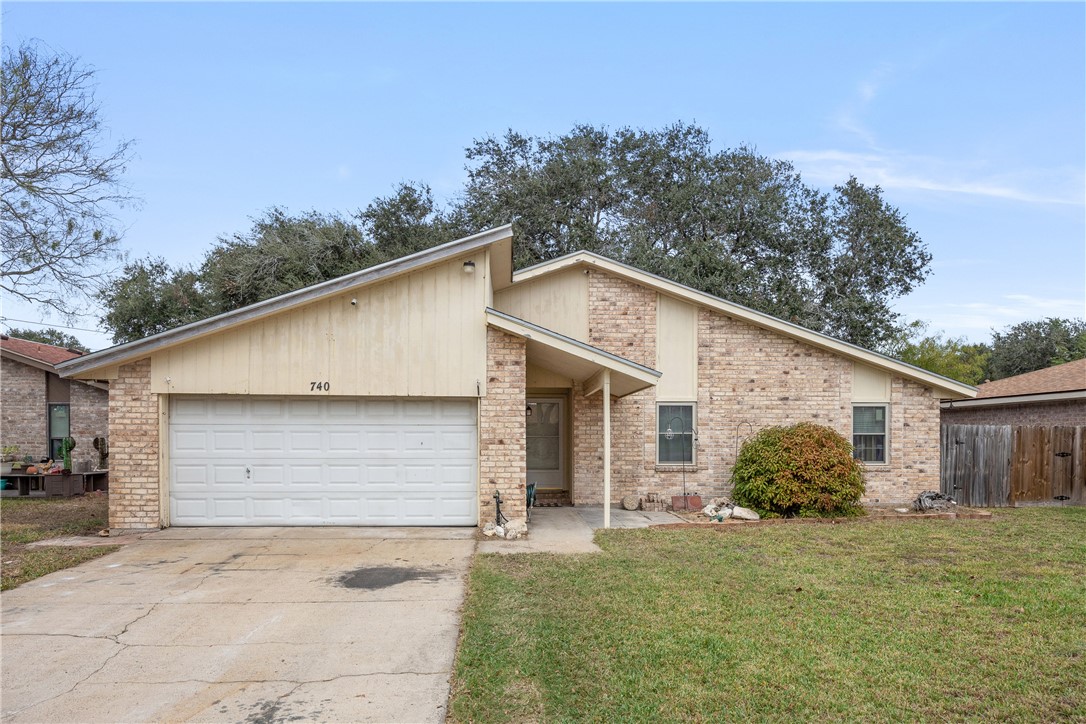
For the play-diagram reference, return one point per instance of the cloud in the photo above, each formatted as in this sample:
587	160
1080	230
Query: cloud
904	172
976	320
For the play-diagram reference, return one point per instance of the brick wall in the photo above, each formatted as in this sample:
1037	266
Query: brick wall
914	458
1059	412
134	449
622	321
90	419
502	427
748	378
23	409
25	413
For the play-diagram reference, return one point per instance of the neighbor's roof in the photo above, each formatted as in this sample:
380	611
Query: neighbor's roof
1061	378
947	387
45	353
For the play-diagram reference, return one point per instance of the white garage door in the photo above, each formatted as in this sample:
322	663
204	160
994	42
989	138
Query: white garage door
326	461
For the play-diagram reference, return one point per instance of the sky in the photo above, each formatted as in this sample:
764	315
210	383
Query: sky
970	116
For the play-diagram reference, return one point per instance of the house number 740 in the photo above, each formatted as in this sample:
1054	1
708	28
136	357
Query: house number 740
319	386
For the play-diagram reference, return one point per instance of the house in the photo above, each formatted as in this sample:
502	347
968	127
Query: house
413	392
40	408
1052	396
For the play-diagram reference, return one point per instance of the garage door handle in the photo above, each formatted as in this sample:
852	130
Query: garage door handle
247	472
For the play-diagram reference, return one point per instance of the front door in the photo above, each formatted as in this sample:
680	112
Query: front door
546	454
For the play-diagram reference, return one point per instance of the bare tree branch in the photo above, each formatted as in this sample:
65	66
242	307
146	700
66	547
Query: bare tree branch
59	189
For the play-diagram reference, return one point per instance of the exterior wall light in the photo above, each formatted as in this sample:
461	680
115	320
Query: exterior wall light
469	267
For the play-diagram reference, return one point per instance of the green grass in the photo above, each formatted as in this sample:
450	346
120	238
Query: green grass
882	621
25	520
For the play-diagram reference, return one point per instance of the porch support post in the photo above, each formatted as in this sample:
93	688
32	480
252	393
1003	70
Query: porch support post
606	448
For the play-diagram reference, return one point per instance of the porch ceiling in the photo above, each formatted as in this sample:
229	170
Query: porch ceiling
575	359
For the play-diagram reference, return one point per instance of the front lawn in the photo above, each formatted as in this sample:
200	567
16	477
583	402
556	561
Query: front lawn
925	619
25	520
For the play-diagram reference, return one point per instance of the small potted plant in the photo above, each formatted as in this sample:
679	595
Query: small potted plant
9	453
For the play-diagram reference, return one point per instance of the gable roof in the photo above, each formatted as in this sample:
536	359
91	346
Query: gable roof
27	352
579	360
1067	377
137	349
947	387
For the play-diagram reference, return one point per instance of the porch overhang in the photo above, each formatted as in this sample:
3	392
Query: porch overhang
575	359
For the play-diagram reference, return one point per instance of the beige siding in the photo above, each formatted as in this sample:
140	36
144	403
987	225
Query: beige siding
677	349
557	301
869	384
422	334
539	377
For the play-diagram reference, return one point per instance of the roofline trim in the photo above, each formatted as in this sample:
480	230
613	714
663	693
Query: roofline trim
1013	400
761	319
142	347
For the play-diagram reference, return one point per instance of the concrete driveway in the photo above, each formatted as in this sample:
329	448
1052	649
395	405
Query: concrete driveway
241	625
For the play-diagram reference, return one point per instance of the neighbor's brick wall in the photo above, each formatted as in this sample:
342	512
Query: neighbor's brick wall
748	379
90	419
23	409
502	427
133	451
1060	412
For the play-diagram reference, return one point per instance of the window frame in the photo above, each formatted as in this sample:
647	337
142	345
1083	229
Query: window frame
885	432
49	425
693	435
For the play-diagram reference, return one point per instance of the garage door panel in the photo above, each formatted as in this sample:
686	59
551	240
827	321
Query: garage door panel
230	442
349	442
304	442
271	461
268	440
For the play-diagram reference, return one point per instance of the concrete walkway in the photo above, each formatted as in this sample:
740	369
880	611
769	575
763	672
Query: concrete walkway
258	625
571	529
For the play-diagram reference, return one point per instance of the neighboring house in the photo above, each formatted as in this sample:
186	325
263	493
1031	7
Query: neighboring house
40	409
411	392
1052	396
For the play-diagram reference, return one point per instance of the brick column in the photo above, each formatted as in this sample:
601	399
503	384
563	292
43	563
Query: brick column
502	463
133	450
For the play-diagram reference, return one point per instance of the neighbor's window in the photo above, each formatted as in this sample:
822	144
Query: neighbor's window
675	433
59	428
869	433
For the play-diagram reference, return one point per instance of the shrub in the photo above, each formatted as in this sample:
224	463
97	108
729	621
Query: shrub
804	470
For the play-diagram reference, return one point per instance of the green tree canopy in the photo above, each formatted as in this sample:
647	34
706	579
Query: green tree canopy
953	357
1030	346
150	297
732	223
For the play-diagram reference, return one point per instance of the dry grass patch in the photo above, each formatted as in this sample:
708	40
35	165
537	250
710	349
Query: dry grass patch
26	520
927	619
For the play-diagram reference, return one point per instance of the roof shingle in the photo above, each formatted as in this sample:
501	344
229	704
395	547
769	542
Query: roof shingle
46	353
1061	378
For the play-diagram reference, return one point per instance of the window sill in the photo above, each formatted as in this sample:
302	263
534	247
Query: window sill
670	468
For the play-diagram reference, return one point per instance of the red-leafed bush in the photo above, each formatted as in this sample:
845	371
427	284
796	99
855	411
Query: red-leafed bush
804	470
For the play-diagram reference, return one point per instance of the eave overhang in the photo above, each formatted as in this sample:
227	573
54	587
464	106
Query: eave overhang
575	359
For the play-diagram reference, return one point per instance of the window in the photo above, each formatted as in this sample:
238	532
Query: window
59	428
869	433
675	434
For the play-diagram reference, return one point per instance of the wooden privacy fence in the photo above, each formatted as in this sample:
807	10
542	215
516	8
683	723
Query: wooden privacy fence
994	466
